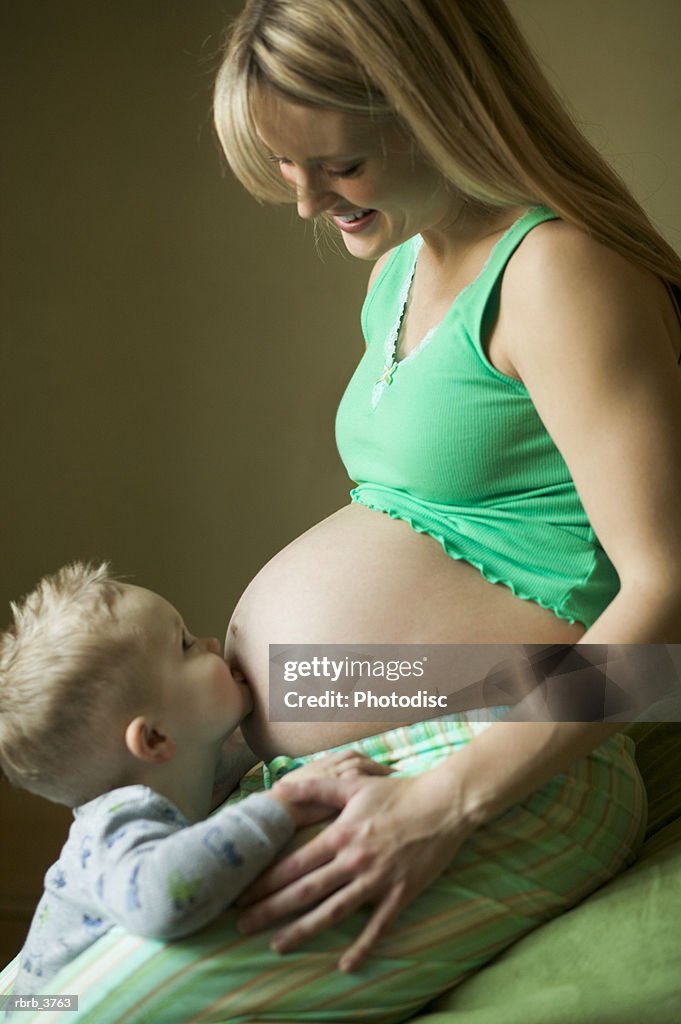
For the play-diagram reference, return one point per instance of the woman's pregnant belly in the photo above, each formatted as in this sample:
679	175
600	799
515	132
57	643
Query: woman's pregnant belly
360	577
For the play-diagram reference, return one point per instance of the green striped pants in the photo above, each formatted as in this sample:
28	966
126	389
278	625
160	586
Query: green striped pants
522	869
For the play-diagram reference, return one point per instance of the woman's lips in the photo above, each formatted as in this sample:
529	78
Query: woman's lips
357	223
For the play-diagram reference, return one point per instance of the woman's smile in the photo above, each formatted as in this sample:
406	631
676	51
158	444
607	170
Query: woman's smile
354	222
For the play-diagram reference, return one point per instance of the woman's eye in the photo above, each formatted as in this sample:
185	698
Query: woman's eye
347	172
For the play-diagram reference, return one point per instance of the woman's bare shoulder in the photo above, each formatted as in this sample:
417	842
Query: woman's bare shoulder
557	253
561	275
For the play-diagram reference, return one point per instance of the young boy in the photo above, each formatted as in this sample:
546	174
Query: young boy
110	706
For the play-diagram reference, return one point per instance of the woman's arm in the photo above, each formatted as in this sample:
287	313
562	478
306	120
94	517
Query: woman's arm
592	339
597	345
598	353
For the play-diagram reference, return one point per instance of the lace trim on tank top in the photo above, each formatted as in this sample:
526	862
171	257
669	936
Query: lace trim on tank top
390	346
392	341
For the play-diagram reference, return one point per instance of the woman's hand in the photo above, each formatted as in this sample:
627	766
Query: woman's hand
392	838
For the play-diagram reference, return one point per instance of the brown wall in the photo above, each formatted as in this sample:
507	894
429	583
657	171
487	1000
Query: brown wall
172	353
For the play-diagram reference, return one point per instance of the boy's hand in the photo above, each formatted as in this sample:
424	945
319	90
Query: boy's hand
340	764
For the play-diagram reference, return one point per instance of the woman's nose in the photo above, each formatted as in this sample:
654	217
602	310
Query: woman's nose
312	197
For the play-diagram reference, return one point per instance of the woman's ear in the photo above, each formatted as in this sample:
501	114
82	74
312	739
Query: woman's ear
147	743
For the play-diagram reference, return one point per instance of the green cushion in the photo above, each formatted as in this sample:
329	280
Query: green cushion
614	959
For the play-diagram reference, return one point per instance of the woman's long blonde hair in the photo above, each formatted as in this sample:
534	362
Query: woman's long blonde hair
461	80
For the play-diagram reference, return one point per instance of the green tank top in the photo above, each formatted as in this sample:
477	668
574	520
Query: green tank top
456	448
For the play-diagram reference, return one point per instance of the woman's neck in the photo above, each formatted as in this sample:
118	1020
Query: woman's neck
449	246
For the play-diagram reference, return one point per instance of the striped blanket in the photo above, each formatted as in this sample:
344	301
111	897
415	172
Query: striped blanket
525	867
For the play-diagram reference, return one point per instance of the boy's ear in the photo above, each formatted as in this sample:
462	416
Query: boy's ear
147	743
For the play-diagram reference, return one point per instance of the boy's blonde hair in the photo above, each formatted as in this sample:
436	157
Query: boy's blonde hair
459	78
66	675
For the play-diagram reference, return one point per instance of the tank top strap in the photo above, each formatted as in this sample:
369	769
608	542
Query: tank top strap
480	301
384	304
506	246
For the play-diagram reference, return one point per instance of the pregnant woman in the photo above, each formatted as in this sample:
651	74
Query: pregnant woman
514	432
519	389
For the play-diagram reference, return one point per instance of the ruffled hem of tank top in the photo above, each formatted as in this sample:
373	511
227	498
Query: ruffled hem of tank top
482	569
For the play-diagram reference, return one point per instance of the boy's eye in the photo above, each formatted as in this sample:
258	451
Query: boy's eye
187	641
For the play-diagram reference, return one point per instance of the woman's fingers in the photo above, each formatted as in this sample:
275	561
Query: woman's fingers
380	851
389	842
335	908
298	864
330	792
383	916
296	896
350	894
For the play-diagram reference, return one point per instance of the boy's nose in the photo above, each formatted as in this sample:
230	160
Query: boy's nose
212	644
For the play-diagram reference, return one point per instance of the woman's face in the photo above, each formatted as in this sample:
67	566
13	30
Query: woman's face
366	176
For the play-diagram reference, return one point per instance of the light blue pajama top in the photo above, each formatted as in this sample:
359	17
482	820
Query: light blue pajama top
131	858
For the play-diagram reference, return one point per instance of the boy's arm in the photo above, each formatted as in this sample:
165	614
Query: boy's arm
159	877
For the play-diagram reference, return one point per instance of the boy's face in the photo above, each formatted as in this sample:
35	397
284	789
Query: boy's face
188	685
